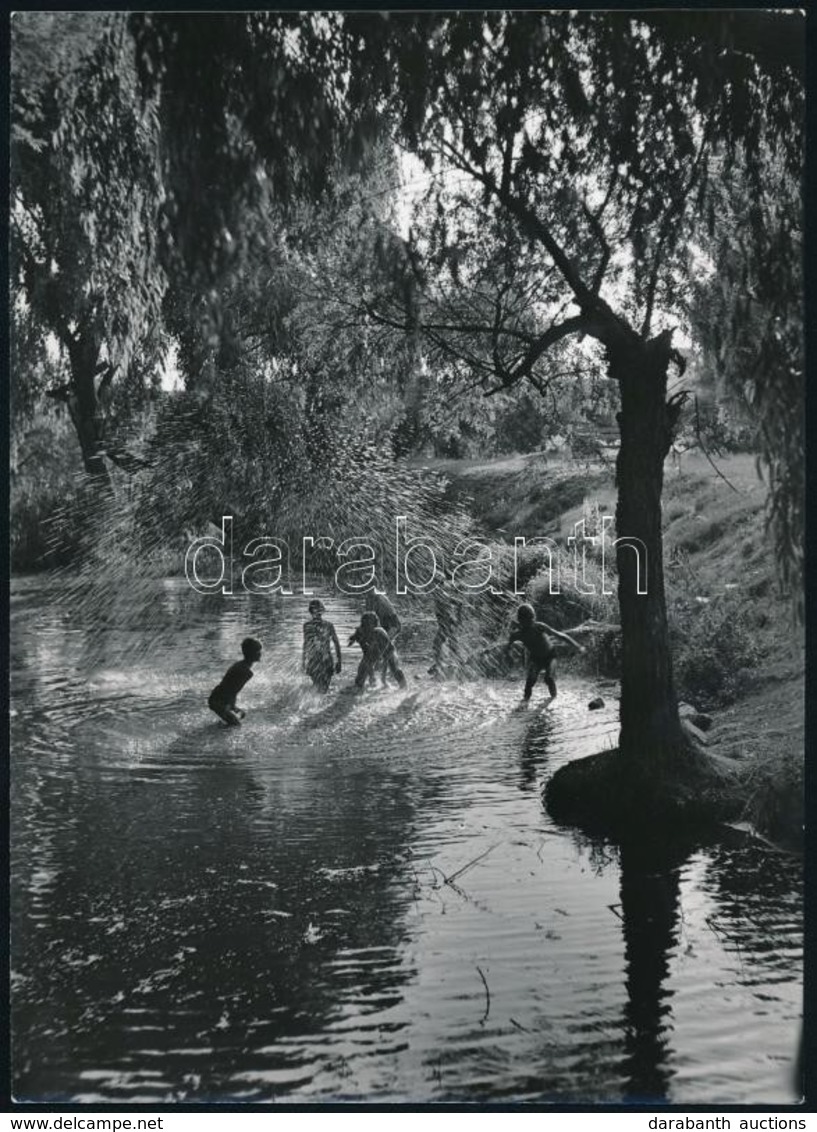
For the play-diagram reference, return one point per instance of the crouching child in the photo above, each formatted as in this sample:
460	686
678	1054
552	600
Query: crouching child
223	697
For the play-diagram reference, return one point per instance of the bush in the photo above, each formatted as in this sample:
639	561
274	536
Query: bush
712	645
776	796
603	655
46	492
40	537
571	606
521	426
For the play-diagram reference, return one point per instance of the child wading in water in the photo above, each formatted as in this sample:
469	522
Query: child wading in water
223	696
319	638
541	650
379	654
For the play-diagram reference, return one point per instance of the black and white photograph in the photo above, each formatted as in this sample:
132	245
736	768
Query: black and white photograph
406	518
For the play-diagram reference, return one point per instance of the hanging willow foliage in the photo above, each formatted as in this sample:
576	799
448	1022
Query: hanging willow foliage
748	315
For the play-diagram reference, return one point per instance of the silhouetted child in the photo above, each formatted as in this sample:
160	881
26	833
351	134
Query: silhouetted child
379	654
540	648
319	638
223	697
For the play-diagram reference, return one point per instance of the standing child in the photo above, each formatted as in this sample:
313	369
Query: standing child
319	638
378	652
223	697
541	650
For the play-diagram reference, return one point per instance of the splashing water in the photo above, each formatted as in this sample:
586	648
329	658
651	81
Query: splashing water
353	897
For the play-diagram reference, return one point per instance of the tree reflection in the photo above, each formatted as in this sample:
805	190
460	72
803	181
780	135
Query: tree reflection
650	885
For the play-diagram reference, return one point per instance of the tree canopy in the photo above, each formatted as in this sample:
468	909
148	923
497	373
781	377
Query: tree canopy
566	170
591	136
580	169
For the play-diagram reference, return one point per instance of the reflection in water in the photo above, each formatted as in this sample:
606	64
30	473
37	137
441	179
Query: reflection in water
534	749
650	891
354	897
182	905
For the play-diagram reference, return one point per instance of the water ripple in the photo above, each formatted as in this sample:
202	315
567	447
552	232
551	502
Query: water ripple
356	897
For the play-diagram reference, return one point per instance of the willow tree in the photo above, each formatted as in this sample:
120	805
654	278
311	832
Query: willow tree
595	136
85	198
144	147
748	317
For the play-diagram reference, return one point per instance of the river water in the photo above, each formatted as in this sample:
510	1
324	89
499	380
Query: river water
354	898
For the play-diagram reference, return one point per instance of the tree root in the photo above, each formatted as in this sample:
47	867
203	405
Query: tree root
612	795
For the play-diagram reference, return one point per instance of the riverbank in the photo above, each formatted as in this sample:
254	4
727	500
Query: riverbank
737	651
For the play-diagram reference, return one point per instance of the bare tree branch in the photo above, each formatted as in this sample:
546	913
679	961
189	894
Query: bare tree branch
595	224
672	217
706	451
551	336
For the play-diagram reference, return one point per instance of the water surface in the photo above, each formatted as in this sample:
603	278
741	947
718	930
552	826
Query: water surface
354	898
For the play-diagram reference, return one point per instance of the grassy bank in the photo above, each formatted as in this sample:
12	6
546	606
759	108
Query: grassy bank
737	652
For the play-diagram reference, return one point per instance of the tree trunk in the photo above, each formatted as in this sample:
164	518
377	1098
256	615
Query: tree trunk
650	728
84	408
